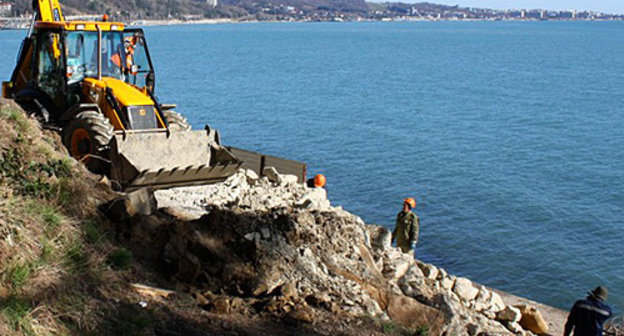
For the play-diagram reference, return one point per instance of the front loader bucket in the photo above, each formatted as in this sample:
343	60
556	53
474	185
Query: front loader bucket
160	160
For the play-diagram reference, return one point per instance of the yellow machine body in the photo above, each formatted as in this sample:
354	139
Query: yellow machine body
83	79
126	95
49	10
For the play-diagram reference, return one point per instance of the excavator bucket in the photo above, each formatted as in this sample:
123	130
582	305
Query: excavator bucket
162	160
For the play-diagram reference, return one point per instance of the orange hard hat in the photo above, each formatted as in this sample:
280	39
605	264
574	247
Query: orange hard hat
105	17
410	201
319	180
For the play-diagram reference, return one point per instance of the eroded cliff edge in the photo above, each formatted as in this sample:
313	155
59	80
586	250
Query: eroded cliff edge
250	256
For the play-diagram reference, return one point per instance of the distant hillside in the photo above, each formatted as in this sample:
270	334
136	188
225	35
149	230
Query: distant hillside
137	9
346	6
301	10
159	9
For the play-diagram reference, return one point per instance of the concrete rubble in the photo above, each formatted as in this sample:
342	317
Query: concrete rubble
284	244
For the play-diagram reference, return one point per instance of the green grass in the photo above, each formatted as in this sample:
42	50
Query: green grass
47	250
17	116
10	163
17	273
47	180
47	213
388	327
391	328
76	258
63	193
46	246
120	259
16	312
422	331
93	232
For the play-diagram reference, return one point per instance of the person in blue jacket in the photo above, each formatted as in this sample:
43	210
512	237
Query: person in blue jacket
588	316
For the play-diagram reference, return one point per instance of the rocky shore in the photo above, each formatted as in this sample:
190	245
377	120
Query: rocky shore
284	246
250	256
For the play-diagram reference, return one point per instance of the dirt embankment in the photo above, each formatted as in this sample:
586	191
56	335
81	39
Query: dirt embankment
250	256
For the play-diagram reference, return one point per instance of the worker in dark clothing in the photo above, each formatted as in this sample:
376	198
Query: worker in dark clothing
406	229
588	316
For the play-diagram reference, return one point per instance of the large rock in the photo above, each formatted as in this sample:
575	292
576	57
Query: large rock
481	302
496	302
138	202
430	271
371	307
461	320
413	284
447	283
532	319
379	237
272	174
442	273
396	264
509	314
314	199
514	327
412	314
289	179
454	313
464	289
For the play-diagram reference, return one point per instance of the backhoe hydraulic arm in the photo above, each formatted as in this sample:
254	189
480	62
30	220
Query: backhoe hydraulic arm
48	10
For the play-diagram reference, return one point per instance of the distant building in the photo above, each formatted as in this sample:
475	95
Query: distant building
5	8
213	3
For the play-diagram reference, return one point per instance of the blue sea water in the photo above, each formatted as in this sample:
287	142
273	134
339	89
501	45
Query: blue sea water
509	134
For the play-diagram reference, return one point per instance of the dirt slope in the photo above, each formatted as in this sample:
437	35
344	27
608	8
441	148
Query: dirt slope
66	269
250	256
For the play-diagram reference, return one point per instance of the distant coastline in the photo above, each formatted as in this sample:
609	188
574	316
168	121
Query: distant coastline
175	22
314	11
22	23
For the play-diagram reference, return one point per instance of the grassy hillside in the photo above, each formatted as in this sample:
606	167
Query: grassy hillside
51	246
63	271
66	269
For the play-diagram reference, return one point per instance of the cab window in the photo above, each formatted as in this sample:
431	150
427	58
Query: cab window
82	55
49	64
138	62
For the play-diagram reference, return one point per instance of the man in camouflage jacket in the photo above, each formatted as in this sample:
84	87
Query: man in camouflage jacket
407	226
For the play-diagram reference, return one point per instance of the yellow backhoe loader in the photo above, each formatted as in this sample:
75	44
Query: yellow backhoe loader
94	82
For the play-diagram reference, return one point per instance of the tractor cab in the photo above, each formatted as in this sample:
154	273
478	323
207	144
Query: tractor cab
123	55
78	62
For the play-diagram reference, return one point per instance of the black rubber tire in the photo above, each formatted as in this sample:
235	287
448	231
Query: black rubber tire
87	138
176	121
32	102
